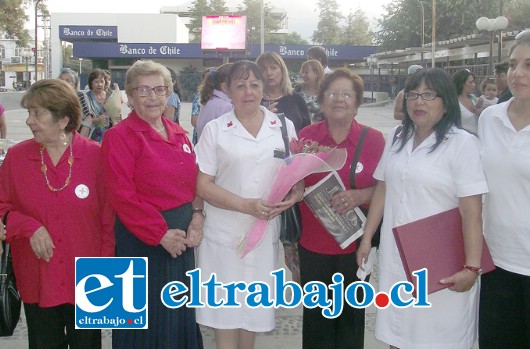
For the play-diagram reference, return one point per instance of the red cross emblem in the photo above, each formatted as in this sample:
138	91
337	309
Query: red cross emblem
273	122
229	124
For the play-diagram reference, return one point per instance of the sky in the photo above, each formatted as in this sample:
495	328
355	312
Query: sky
303	15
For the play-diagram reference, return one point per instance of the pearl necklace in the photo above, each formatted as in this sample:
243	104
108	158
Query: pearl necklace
44	169
161	130
272	99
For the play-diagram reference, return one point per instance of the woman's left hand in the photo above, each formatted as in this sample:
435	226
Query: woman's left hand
461	281
347	200
195	231
296	194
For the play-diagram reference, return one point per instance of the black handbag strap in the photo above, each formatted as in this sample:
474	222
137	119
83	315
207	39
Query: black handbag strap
281	116
357	155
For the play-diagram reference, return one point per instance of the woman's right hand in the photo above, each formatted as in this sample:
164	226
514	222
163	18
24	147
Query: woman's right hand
258	208
174	242
42	244
273	107
362	252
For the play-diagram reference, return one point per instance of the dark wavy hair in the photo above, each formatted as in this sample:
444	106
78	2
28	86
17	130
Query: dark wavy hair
460	78
440	82
242	70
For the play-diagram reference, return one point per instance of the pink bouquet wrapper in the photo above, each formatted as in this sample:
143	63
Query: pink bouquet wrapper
296	168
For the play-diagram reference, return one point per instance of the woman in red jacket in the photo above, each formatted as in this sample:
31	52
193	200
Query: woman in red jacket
55	208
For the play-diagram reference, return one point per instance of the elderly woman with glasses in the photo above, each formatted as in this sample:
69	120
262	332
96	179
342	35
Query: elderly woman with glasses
150	173
340	96
430	165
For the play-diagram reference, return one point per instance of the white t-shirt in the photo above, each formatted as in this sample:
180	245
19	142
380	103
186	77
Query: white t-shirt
469	120
506	160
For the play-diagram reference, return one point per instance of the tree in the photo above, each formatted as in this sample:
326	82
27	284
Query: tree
218	7
328	29
199	8
294	39
252	9
356	31
401	24
12	21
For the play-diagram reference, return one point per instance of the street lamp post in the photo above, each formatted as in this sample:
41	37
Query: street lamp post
372	61
36	41
422	29
80	62
491	26
26	54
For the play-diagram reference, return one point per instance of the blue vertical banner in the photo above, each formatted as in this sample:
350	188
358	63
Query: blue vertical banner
111	293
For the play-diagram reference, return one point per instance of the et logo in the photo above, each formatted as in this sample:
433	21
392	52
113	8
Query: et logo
111	293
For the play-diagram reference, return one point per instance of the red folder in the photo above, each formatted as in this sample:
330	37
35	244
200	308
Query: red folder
436	243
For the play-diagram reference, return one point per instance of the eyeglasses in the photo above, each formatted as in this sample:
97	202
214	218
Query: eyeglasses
426	96
145	91
336	94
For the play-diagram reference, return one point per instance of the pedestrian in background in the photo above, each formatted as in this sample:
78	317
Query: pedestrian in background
70	77
470	105
174	104
400	98
312	75
500	71
215	100
319	53
278	93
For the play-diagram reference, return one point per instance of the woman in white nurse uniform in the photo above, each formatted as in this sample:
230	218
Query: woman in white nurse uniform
238	157
431	167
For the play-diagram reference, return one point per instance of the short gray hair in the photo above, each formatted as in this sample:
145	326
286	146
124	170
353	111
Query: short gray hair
142	68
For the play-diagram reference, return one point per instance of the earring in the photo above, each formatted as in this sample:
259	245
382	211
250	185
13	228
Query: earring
63	138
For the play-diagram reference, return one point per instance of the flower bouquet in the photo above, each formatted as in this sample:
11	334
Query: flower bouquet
308	157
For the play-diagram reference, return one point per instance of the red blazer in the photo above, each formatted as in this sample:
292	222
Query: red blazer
79	218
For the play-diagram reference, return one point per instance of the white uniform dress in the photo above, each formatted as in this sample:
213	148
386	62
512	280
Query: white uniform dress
245	166
420	184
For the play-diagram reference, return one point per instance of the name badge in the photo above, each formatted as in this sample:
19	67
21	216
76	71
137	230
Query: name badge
278	154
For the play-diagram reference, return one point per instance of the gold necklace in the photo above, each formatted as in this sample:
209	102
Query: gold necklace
44	169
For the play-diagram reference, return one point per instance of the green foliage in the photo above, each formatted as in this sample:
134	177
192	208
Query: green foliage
218	7
199	8
12	21
294	39
400	26
189	80
328	29
252	9
356	31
